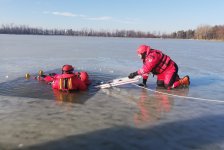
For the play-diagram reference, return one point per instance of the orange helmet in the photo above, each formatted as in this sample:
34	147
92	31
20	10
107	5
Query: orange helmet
67	68
142	49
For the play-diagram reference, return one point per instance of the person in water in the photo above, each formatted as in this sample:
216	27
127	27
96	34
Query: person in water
68	80
158	63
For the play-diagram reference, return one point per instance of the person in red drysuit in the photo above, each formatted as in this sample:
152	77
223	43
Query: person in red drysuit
67	81
159	64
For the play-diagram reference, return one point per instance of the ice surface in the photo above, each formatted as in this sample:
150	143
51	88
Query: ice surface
33	116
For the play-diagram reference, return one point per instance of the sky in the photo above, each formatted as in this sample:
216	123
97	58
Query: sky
163	16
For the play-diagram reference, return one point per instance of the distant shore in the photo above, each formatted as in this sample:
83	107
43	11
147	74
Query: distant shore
115	37
215	33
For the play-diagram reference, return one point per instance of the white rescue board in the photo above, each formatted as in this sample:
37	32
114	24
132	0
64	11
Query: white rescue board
119	81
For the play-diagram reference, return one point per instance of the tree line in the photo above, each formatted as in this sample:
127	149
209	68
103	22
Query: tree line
201	32
22	29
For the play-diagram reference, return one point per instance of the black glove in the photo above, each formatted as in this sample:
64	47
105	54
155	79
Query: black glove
143	84
43	76
132	75
52	74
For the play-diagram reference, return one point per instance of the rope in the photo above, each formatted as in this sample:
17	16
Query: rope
187	97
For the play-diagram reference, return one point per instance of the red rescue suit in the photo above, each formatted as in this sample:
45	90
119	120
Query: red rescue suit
162	66
68	82
49	78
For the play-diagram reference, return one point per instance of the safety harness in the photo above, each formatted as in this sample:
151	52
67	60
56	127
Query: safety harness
162	64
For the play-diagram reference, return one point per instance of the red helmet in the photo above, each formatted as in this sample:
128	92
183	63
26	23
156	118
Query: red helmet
67	68
142	49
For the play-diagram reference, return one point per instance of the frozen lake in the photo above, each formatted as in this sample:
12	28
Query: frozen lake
33	116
